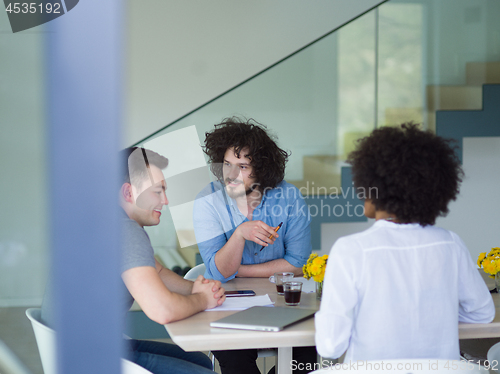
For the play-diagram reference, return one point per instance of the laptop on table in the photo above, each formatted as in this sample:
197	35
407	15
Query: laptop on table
263	318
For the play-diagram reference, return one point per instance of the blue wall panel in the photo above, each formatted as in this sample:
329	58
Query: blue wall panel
457	124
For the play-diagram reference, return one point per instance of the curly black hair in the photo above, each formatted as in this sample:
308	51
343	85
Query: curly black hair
415	173
267	159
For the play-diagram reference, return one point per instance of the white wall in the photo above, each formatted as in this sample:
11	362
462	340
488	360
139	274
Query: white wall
474	216
295	99
181	54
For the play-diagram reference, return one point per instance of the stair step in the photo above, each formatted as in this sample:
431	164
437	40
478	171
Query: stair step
478	73
454	98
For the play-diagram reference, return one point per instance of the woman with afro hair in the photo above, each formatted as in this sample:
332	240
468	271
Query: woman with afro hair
399	289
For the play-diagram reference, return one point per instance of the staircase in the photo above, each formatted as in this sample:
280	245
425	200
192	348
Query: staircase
322	172
464	97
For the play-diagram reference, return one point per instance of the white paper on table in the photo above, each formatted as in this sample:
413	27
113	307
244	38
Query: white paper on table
242	303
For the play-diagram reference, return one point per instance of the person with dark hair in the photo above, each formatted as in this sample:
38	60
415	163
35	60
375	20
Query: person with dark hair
238	214
163	295
236	218
399	289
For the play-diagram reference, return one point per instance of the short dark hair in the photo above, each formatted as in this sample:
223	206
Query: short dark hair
267	159
135	164
415	173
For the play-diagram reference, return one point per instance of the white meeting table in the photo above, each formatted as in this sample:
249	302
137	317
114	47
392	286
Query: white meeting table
195	334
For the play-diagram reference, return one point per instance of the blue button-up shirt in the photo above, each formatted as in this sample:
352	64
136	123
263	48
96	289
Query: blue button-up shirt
216	217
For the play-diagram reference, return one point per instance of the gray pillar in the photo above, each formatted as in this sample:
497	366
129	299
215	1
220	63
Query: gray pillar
84	58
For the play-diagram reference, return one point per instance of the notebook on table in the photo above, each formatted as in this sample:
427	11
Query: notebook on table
263	318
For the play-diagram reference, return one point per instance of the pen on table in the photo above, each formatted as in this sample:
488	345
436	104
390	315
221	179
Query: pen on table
270	236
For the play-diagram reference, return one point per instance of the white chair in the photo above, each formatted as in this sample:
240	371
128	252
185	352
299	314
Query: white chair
46	342
193	273
9	362
493	357
420	366
261	353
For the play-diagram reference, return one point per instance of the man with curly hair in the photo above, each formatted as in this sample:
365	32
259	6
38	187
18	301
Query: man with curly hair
237	215
399	289
235	218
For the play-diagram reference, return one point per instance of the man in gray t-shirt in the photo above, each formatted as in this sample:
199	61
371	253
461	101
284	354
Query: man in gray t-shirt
163	295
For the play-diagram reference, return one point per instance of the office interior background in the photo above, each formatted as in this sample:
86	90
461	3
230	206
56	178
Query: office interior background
319	74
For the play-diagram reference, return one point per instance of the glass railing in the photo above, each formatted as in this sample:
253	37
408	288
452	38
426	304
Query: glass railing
399	62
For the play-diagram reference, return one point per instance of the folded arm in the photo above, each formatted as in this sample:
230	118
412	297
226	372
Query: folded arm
174	281
267	269
161	304
228	258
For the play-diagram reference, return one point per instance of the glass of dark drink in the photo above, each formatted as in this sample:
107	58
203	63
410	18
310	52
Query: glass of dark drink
293	290
279	279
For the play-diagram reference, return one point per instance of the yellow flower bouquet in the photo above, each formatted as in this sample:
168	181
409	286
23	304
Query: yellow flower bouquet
315	269
490	262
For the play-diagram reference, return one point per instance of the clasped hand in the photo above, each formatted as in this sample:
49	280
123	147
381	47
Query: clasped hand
212	289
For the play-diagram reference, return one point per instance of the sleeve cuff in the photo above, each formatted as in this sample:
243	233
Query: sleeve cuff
294	261
215	274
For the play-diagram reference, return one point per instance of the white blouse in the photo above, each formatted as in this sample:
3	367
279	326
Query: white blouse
398	291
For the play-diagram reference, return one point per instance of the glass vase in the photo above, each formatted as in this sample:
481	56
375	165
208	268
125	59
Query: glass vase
319	290
497	282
